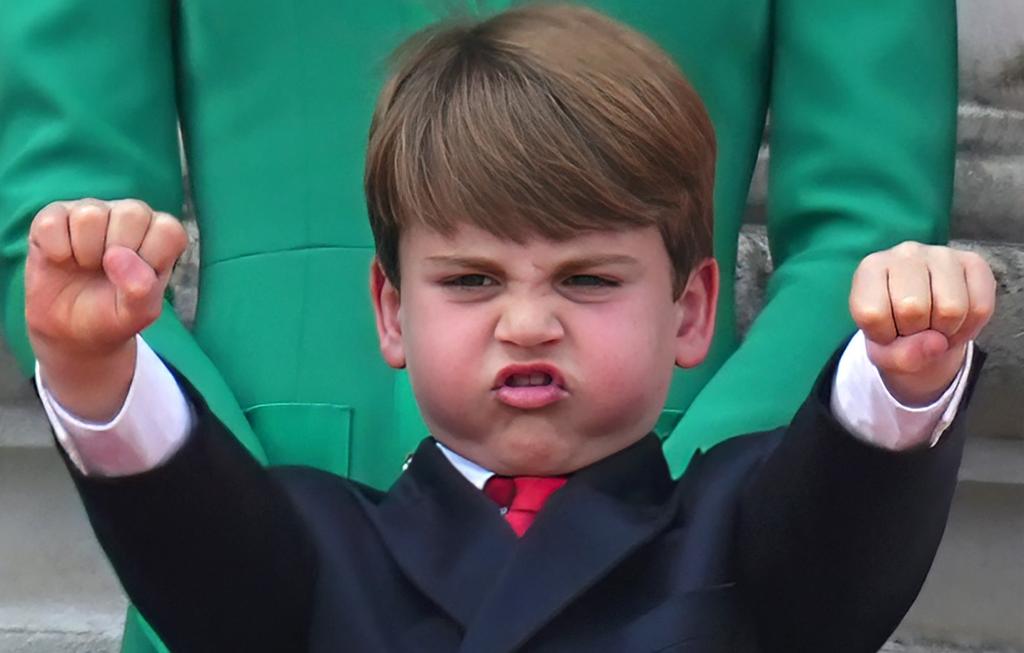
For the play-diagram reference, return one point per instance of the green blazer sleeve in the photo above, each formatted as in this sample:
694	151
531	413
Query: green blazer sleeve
863	135
87	100
87	104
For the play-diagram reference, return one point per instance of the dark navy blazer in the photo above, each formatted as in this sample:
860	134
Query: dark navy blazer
800	539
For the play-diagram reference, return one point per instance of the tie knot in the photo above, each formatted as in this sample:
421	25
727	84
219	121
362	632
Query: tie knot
522	496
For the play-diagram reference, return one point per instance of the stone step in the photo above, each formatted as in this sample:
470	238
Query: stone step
57	592
23	425
925	647
985	129
991	53
988	197
988	202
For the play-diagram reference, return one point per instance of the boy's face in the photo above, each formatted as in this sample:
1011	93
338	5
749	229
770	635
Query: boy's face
543	357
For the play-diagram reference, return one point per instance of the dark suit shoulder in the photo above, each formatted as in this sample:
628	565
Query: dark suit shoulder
731	461
303	479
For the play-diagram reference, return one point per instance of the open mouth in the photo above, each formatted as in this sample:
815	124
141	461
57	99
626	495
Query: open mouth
527	380
529	386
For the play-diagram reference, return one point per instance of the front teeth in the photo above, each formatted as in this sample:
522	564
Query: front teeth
536	378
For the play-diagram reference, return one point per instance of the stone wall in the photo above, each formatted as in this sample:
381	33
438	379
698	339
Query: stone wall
57	593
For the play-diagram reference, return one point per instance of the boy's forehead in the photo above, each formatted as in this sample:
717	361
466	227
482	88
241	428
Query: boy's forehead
468	240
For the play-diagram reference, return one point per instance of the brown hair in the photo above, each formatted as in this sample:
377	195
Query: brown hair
542	120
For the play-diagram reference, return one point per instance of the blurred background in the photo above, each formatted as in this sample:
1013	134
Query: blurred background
58	594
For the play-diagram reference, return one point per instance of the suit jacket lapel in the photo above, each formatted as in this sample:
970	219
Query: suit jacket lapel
604	513
447	537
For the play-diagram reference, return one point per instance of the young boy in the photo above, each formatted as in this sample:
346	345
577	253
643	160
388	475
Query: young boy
539	189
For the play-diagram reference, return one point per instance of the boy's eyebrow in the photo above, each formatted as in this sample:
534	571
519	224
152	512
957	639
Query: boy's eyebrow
571	264
465	262
598	260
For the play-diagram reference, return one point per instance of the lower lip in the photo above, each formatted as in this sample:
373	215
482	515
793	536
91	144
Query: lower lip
530	396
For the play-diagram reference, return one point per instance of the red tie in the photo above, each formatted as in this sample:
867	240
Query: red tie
522	496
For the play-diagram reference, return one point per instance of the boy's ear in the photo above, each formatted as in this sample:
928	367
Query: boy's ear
697	304
386	306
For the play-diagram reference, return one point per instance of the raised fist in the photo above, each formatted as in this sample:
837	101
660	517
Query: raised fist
919	305
96	274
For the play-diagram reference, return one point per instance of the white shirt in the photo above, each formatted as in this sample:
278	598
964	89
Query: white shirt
156	417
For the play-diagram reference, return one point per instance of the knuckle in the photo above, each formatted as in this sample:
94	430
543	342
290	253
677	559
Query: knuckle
87	215
974	262
874	261
981	311
870	260
134	210
942	256
949	310
907	249
138	205
171	230
45	223
869	315
912	308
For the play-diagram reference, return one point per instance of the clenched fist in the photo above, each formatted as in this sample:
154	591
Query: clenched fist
919	306
95	276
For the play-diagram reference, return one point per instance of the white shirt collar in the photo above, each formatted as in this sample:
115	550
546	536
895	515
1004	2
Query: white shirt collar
474	473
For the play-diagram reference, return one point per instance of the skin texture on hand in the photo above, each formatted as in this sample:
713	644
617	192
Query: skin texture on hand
919	306
95	277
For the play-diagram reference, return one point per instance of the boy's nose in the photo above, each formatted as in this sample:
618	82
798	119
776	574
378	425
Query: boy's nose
528	324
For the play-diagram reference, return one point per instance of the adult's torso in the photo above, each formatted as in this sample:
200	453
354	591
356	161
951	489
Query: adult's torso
275	102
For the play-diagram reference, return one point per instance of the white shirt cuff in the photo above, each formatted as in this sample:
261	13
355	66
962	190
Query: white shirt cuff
151	426
866	408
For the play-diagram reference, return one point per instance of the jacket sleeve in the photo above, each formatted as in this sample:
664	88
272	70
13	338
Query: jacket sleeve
863	134
209	546
836	536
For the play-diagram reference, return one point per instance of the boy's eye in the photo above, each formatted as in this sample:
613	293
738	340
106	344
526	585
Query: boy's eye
470	281
589	281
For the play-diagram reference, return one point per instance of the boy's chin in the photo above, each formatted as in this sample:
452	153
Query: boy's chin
536	454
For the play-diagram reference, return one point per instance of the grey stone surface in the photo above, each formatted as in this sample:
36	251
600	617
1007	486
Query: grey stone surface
992	460
23	425
58	641
992	52
974	595
984	129
185	280
13	386
999	411
988	197
925	647
56	588
988	202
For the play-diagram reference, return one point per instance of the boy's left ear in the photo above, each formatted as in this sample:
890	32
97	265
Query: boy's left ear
386	305
697	304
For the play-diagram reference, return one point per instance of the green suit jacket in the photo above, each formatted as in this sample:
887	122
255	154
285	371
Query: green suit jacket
274	101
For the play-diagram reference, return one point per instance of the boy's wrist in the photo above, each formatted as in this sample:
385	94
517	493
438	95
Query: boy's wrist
92	386
925	386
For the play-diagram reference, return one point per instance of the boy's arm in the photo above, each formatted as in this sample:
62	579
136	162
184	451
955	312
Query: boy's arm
149	428
864	406
836	535
206	544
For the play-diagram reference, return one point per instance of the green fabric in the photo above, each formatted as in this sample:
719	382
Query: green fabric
274	101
